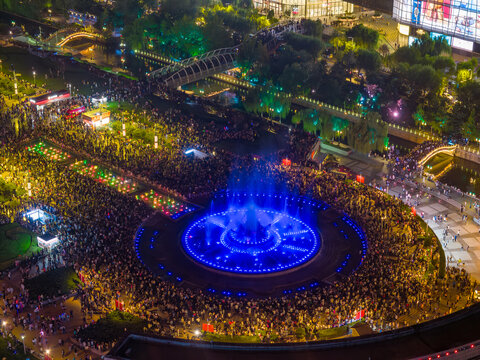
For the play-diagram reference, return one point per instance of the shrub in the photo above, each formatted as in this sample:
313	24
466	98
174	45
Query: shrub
53	283
114	326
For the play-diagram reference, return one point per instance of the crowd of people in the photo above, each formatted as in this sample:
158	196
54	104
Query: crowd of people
97	224
406	166
398	283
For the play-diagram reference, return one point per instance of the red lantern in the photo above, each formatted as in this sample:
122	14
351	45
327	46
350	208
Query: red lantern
360	179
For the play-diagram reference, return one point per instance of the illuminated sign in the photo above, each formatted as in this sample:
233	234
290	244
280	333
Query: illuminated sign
459	18
47	241
462	44
404	29
411	40
435	35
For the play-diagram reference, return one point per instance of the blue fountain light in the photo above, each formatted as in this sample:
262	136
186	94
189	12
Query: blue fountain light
251	239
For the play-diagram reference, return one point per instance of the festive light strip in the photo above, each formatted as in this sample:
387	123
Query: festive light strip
104	176
49	152
167	205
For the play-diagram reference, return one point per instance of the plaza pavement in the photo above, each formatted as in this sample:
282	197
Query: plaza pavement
51	341
465	251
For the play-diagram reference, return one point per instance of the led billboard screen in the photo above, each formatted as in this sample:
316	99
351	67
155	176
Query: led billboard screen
460	18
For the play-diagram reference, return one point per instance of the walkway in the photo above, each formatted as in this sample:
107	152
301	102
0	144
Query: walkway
50	341
463	253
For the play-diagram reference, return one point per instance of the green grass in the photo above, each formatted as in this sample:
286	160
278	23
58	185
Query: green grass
115	106
15	242
114	326
231	339
53	283
15	354
326	334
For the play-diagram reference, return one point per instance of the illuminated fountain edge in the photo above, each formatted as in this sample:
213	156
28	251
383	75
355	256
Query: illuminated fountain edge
254	238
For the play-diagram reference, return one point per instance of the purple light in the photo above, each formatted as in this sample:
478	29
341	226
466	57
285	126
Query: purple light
395	113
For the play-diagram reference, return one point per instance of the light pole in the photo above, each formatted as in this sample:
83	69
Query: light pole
34	73
23	341
4	327
1	66
15	80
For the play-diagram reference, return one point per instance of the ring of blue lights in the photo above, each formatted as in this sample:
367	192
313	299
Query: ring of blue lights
281	243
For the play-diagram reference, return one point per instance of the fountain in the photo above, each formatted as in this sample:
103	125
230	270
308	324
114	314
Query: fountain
253	234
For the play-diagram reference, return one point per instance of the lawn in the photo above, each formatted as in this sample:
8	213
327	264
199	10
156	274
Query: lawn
232	339
114	326
53	283
15	242
16	353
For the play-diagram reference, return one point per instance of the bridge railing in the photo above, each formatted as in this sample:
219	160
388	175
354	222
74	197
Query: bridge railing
176	66
450	150
79	34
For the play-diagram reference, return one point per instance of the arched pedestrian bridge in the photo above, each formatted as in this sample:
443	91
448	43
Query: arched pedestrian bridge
216	61
64	36
441	149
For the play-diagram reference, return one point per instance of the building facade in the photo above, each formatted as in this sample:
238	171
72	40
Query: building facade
306	8
458	21
384	6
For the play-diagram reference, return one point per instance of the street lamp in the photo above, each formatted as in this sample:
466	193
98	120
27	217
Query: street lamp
23	341
4	325
1	66
34	73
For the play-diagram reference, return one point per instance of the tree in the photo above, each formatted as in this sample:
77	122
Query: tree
419	116
444	63
423	80
292	79
216	34
470	129
313	27
368	134
310	44
364	36
384	50
368	60
406	54
431	47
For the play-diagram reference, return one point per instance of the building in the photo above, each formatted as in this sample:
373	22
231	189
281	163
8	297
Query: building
384	6
97	117
458	21
46	99
306	8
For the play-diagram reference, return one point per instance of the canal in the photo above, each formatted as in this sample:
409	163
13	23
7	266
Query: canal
450	170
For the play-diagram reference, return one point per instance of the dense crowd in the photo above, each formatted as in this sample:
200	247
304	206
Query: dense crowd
406	166
97	225
397	284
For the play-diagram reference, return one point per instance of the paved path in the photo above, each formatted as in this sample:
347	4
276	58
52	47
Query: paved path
50	341
465	251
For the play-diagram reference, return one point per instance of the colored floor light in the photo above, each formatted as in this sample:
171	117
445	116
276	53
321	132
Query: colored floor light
104	176
167	205
49	152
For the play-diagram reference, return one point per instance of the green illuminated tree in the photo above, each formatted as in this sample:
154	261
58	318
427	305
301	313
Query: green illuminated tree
364	36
